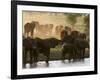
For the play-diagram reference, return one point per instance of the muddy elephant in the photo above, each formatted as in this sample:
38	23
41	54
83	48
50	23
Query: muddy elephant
36	46
43	46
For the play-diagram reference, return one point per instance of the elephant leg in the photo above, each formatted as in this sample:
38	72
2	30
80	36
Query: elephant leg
83	54
35	58
47	60
31	58
70	55
32	34
63	55
75	54
25	58
47	54
80	54
26	34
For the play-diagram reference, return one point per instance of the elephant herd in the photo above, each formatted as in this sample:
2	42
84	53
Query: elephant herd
73	46
36	29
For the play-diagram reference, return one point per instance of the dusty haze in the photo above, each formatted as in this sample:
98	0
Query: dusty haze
57	19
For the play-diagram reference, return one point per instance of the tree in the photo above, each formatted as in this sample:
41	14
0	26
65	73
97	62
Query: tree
72	17
86	22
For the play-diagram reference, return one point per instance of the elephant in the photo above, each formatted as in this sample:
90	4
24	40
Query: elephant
58	29
28	48
45	29
29	27
44	45
81	43
49	28
36	46
68	48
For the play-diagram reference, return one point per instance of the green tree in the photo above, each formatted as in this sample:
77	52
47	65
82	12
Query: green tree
72	17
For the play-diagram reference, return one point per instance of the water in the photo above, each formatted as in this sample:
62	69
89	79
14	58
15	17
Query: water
59	63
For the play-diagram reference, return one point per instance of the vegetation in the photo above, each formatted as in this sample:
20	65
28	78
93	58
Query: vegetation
71	18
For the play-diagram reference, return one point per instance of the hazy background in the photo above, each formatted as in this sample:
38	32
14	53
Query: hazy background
76	21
